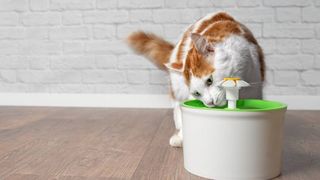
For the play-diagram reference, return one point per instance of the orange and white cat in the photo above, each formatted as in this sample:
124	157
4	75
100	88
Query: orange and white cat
214	47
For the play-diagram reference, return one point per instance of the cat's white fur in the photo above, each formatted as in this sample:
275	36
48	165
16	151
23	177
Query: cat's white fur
235	57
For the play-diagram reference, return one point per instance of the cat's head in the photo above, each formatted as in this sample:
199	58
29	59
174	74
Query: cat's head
198	71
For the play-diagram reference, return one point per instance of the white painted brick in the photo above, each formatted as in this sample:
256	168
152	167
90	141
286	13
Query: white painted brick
7	76
318	31
288	30
110	16
289	91
317	62
269	77
140	15
134	62
72	62
38	33
317	2
125	29
255	28
199	4
13	5
104	32
310	46
9	47
288	46
189	15
13	62
38	62
106	47
38	19
175	4
39	5
311	14
71	18
140	3
68	88
107	4
40	48
67	33
249	3
310	77
275	3
212	3
11	33
268	45
39	76
147	89
72	4
73	47
105	76
106	61
291	14
13	87
286	78
9	19
289	62
159	77
138	77
246	15
166	16
173	30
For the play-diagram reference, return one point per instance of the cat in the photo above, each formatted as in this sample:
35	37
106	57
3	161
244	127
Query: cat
214	47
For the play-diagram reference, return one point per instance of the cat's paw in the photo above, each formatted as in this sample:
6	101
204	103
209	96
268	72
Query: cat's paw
176	141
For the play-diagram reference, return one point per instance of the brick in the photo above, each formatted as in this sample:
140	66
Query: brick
41	19
269	77
291	14
68	88
7	76
71	18
68	33
140	3
211	3
249	3
39	5
72	4
275	3
310	46
107	4
288	30
134	62
289	62
72	62
310	77
13	62
9	19
174	30
38	33
166	16
246	15
73	47
310	14
289	91
40	48
286	78
140	15
40	76
105	76
38	62
9	47
106	61
110	16
138	77
13	87
268	45
175	4
125	29
11	33
159	77
13	5
317	62
106	47
147	89
255	28
104	32
288	46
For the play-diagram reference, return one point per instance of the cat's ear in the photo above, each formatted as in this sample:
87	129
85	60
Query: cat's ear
202	45
176	66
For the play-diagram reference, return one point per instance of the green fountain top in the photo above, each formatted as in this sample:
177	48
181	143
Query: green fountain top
243	105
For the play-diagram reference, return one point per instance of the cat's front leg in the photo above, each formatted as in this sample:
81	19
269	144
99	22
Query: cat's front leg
177	139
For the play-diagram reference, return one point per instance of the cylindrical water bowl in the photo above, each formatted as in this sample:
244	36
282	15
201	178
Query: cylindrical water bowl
243	143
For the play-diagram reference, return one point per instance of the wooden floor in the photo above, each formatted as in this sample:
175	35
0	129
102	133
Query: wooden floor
99	143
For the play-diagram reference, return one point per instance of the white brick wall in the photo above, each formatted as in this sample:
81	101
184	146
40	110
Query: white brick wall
76	46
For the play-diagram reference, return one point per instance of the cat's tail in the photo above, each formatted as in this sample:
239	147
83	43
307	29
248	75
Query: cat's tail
151	46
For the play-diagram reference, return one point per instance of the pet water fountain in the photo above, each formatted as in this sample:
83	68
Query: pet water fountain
242	140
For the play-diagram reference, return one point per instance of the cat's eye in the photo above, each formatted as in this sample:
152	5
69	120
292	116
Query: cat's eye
196	94
209	81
